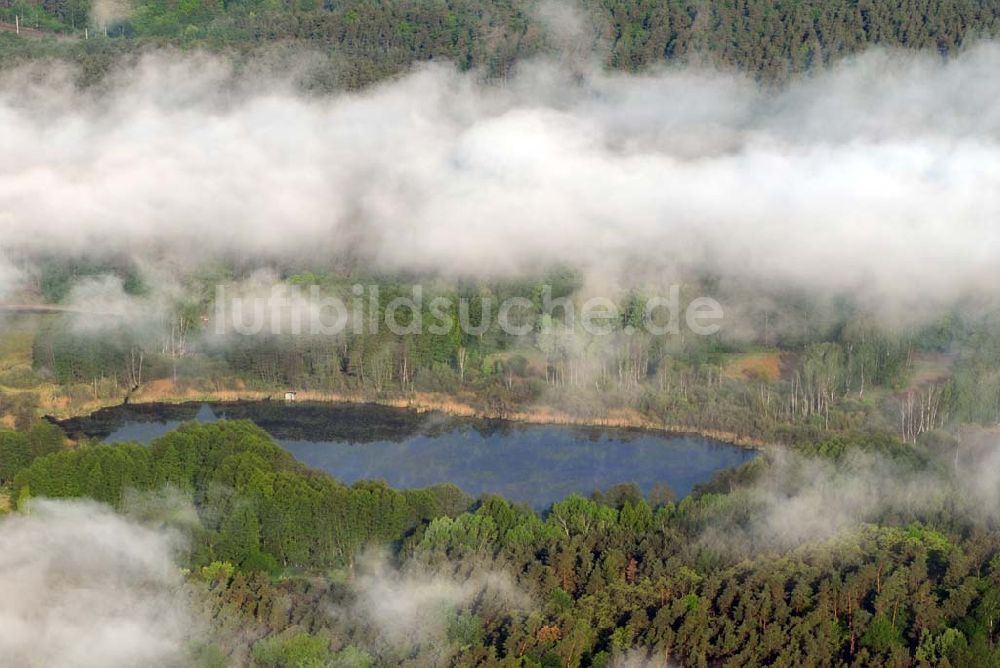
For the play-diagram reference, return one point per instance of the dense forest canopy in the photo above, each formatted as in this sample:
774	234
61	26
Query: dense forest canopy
742	576
368	40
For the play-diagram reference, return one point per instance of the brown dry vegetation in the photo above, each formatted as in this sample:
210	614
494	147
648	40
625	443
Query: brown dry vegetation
930	368
765	366
165	392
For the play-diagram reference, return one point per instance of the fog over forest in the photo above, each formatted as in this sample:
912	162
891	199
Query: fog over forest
84	586
875	179
873	182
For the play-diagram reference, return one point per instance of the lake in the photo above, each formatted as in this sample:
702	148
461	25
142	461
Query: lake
535	464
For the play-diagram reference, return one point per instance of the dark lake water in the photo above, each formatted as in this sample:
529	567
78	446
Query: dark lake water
536	464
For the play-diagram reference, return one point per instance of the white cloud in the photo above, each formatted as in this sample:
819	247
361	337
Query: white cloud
84	587
878	178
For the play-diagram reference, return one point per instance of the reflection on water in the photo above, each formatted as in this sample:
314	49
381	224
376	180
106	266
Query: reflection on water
530	463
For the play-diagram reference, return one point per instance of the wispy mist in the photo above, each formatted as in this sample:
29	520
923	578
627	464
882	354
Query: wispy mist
404	609
801	499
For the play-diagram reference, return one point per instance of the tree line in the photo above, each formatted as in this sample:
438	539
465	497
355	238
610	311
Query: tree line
609	576
368	41
841	373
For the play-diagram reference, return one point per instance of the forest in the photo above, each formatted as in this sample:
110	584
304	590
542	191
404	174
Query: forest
362	41
876	425
591	581
799	370
825	171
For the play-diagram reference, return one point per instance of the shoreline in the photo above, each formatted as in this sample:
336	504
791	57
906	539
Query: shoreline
423	402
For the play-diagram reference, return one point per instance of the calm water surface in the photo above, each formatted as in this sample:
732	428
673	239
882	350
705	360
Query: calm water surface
536	464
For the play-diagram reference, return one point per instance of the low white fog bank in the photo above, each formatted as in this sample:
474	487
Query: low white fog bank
880	178
82	586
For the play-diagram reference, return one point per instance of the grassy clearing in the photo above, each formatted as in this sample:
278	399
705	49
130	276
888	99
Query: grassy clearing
17	338
15	348
747	366
930	368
